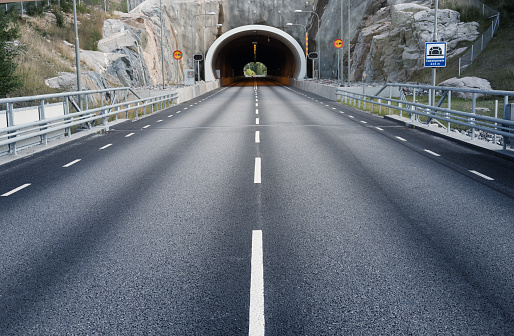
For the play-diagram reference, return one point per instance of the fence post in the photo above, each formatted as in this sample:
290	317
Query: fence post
10	122
43	138
505	103
448	114
473	111
66	112
495	117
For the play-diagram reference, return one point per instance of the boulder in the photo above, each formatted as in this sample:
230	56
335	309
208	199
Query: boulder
467	83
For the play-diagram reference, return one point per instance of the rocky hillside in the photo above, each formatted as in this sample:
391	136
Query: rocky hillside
387	37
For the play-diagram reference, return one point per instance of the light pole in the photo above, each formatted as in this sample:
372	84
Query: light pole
305	30
193	32
77	54
319	40
434	39
162	45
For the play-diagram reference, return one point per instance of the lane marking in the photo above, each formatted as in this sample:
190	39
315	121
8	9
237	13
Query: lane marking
256	104
71	163
430	152
159	121
257	121
257	171
257	137
129	135
400	138
16	190
380	129
146	126
256	111
171	115
351	116
481	175
364	122
256	327
104	147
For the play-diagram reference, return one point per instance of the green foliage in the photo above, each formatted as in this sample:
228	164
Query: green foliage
9	50
258	69
59	17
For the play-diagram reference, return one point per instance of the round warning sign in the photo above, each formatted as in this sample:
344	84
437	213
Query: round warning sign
338	43
177	54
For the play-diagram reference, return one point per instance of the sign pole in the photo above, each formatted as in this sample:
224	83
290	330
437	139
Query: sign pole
434	39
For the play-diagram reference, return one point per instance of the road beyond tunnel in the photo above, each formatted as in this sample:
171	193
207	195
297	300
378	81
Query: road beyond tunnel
281	53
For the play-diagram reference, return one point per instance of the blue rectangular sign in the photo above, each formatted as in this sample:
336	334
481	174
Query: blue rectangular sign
435	54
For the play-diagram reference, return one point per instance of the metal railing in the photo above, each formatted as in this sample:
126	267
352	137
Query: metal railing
476	113
106	104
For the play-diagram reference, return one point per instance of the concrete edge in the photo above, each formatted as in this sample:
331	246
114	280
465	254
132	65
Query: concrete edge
479	145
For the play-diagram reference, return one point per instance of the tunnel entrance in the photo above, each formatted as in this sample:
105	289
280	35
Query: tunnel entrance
229	54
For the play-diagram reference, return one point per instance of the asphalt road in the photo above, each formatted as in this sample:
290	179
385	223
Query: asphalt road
257	209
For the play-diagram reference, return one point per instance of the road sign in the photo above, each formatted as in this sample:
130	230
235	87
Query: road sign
313	55
435	54
338	43
177	54
198	57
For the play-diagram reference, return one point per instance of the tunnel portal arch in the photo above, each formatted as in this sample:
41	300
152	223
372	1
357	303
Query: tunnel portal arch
281	53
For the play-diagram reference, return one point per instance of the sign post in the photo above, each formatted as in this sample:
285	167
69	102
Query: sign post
435	57
313	56
177	55
338	44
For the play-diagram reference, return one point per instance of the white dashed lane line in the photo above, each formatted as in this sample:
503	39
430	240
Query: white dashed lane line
257	171
129	135
71	163
433	153
104	147
15	190
380	129
257	320
481	175
400	138
146	126
257	137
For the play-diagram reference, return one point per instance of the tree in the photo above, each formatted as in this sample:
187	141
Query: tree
9	49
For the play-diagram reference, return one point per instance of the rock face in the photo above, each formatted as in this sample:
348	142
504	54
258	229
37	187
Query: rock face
467	83
391	43
388	36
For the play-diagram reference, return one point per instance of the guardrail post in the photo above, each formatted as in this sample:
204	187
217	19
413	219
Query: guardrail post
380	106
448	114
104	111
66	112
473	111
10	122
496	117
43	137
505	106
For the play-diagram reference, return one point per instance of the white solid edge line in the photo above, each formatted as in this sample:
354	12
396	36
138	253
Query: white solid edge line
104	147
400	138
430	152
257	171
129	135
16	190
257	137
71	163
257	321
481	175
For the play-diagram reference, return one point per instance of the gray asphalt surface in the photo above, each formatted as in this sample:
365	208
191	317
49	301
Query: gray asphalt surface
365	232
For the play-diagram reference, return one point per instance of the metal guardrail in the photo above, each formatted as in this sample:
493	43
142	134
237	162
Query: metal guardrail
482	111
14	133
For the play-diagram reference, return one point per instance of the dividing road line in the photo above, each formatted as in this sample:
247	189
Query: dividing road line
104	147
257	137
257	171
16	190
71	163
257	287
400	138
481	175
430	152
129	135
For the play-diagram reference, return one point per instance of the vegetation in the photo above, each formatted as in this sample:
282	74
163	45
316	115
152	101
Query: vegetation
9	51
255	69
